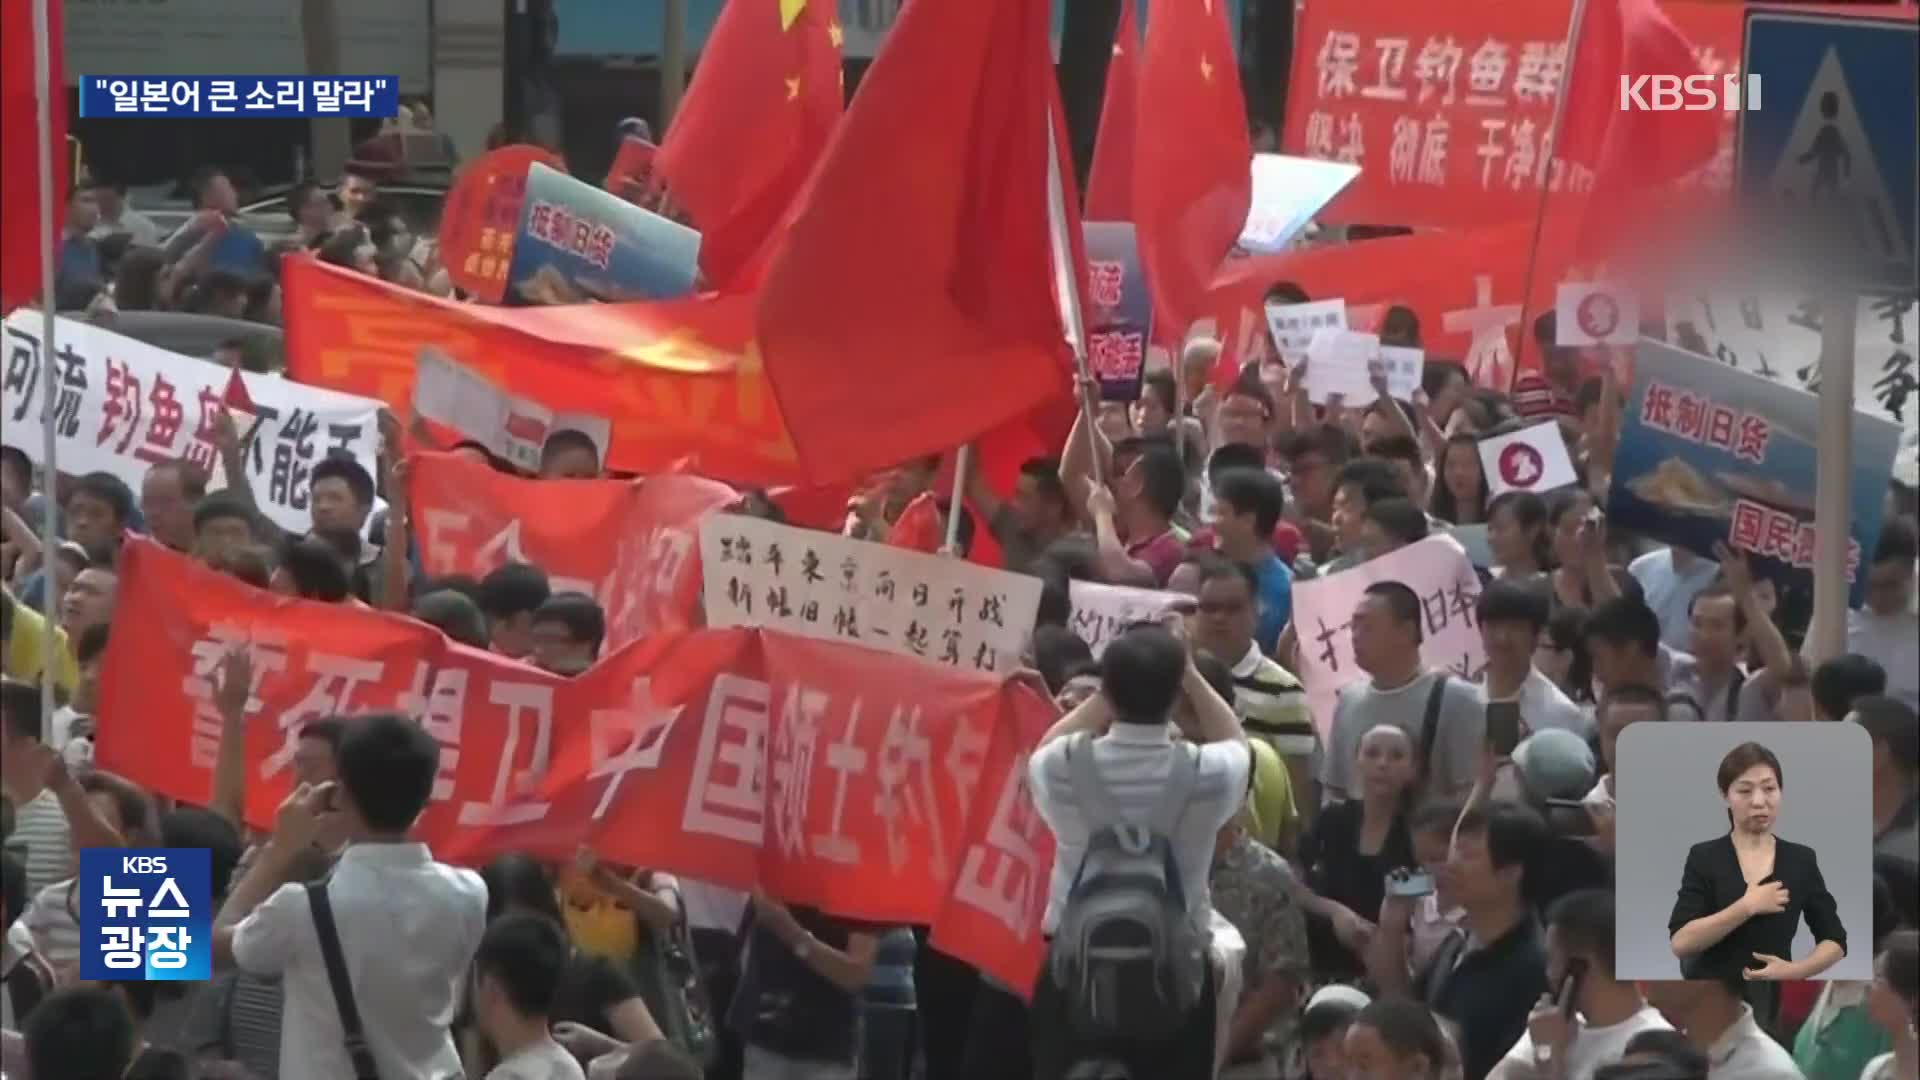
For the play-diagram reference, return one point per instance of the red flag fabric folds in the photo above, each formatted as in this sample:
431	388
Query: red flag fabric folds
21	226
918	273
1192	178
762	106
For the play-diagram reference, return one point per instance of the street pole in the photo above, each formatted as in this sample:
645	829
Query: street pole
1833	499
43	91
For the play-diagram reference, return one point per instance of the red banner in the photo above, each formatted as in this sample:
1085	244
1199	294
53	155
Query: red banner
1446	107
634	546
875	786
679	380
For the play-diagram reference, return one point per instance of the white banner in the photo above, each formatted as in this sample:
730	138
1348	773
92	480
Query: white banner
513	429
1436	569
124	405
1777	336
949	611
1101	612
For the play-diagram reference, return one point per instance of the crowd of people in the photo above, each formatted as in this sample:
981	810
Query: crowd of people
1241	888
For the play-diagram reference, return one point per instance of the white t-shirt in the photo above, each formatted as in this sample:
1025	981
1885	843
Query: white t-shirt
544	1060
1592	1047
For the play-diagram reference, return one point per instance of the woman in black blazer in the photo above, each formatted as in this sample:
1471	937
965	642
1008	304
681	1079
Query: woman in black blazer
1743	895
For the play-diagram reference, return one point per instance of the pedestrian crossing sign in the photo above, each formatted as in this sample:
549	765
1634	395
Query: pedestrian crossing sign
1833	151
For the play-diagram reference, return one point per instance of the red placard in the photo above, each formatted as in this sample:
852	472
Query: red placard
482	214
1446	107
632	545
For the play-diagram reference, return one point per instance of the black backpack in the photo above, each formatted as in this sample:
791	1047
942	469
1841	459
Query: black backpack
1128	956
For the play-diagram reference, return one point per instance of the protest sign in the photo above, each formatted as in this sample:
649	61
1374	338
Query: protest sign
678	377
481	215
1595	313
1293	325
1340	363
1403	367
1712	454
1287	192
631	174
815	584
124	405
1776	335
1532	459
1101	612
577	243
632	545
1436	569
513	429
866	784
1121	320
1447	107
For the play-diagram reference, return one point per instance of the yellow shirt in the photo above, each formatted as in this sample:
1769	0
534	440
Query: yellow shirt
1271	802
26	642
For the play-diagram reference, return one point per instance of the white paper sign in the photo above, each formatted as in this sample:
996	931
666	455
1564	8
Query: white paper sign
514	429
1777	336
1403	367
1341	362
125	405
1101	612
1287	192
1531	459
1595	313
819	585
1436	570
1293	325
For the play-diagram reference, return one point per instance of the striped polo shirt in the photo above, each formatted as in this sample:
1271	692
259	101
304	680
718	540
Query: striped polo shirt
1273	705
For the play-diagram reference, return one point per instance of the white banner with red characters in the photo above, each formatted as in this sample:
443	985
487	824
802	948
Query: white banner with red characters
123	405
870	785
634	546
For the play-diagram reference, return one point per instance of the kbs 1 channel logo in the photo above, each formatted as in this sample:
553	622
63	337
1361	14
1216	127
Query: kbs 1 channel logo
146	914
1731	92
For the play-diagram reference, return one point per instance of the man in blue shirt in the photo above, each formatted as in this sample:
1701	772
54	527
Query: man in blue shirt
232	246
1247	505
77	274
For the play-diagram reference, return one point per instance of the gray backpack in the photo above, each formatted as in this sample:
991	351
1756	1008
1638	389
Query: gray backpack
1127	955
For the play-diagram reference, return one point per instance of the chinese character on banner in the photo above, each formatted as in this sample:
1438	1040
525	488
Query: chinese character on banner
145	914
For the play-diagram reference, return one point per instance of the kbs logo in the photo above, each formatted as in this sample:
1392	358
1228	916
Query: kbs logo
146	914
1694	93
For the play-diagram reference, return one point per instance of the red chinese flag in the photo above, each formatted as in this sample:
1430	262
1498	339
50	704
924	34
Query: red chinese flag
22	230
763	102
1192	160
911	307
1110	181
1633	153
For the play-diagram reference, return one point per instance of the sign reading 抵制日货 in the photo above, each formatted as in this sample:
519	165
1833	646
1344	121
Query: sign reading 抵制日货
1710	454
578	243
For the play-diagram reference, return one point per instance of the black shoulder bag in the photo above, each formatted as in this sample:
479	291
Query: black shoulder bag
358	1052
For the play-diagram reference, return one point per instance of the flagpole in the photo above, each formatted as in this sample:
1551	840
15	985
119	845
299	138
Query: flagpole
1540	206
961	463
43	122
1067	290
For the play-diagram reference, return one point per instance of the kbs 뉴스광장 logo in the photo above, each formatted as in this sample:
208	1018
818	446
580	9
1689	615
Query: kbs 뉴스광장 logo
146	913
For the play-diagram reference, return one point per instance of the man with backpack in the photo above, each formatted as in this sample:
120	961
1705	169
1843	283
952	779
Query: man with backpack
1129	984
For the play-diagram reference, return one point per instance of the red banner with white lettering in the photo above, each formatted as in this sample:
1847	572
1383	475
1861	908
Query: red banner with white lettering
634	546
1446	107
877	787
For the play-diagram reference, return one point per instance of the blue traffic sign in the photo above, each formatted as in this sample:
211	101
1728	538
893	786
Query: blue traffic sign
1833	146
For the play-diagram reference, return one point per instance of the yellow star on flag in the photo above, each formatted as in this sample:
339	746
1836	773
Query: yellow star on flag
681	350
1206	69
793	88
835	34
789	11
